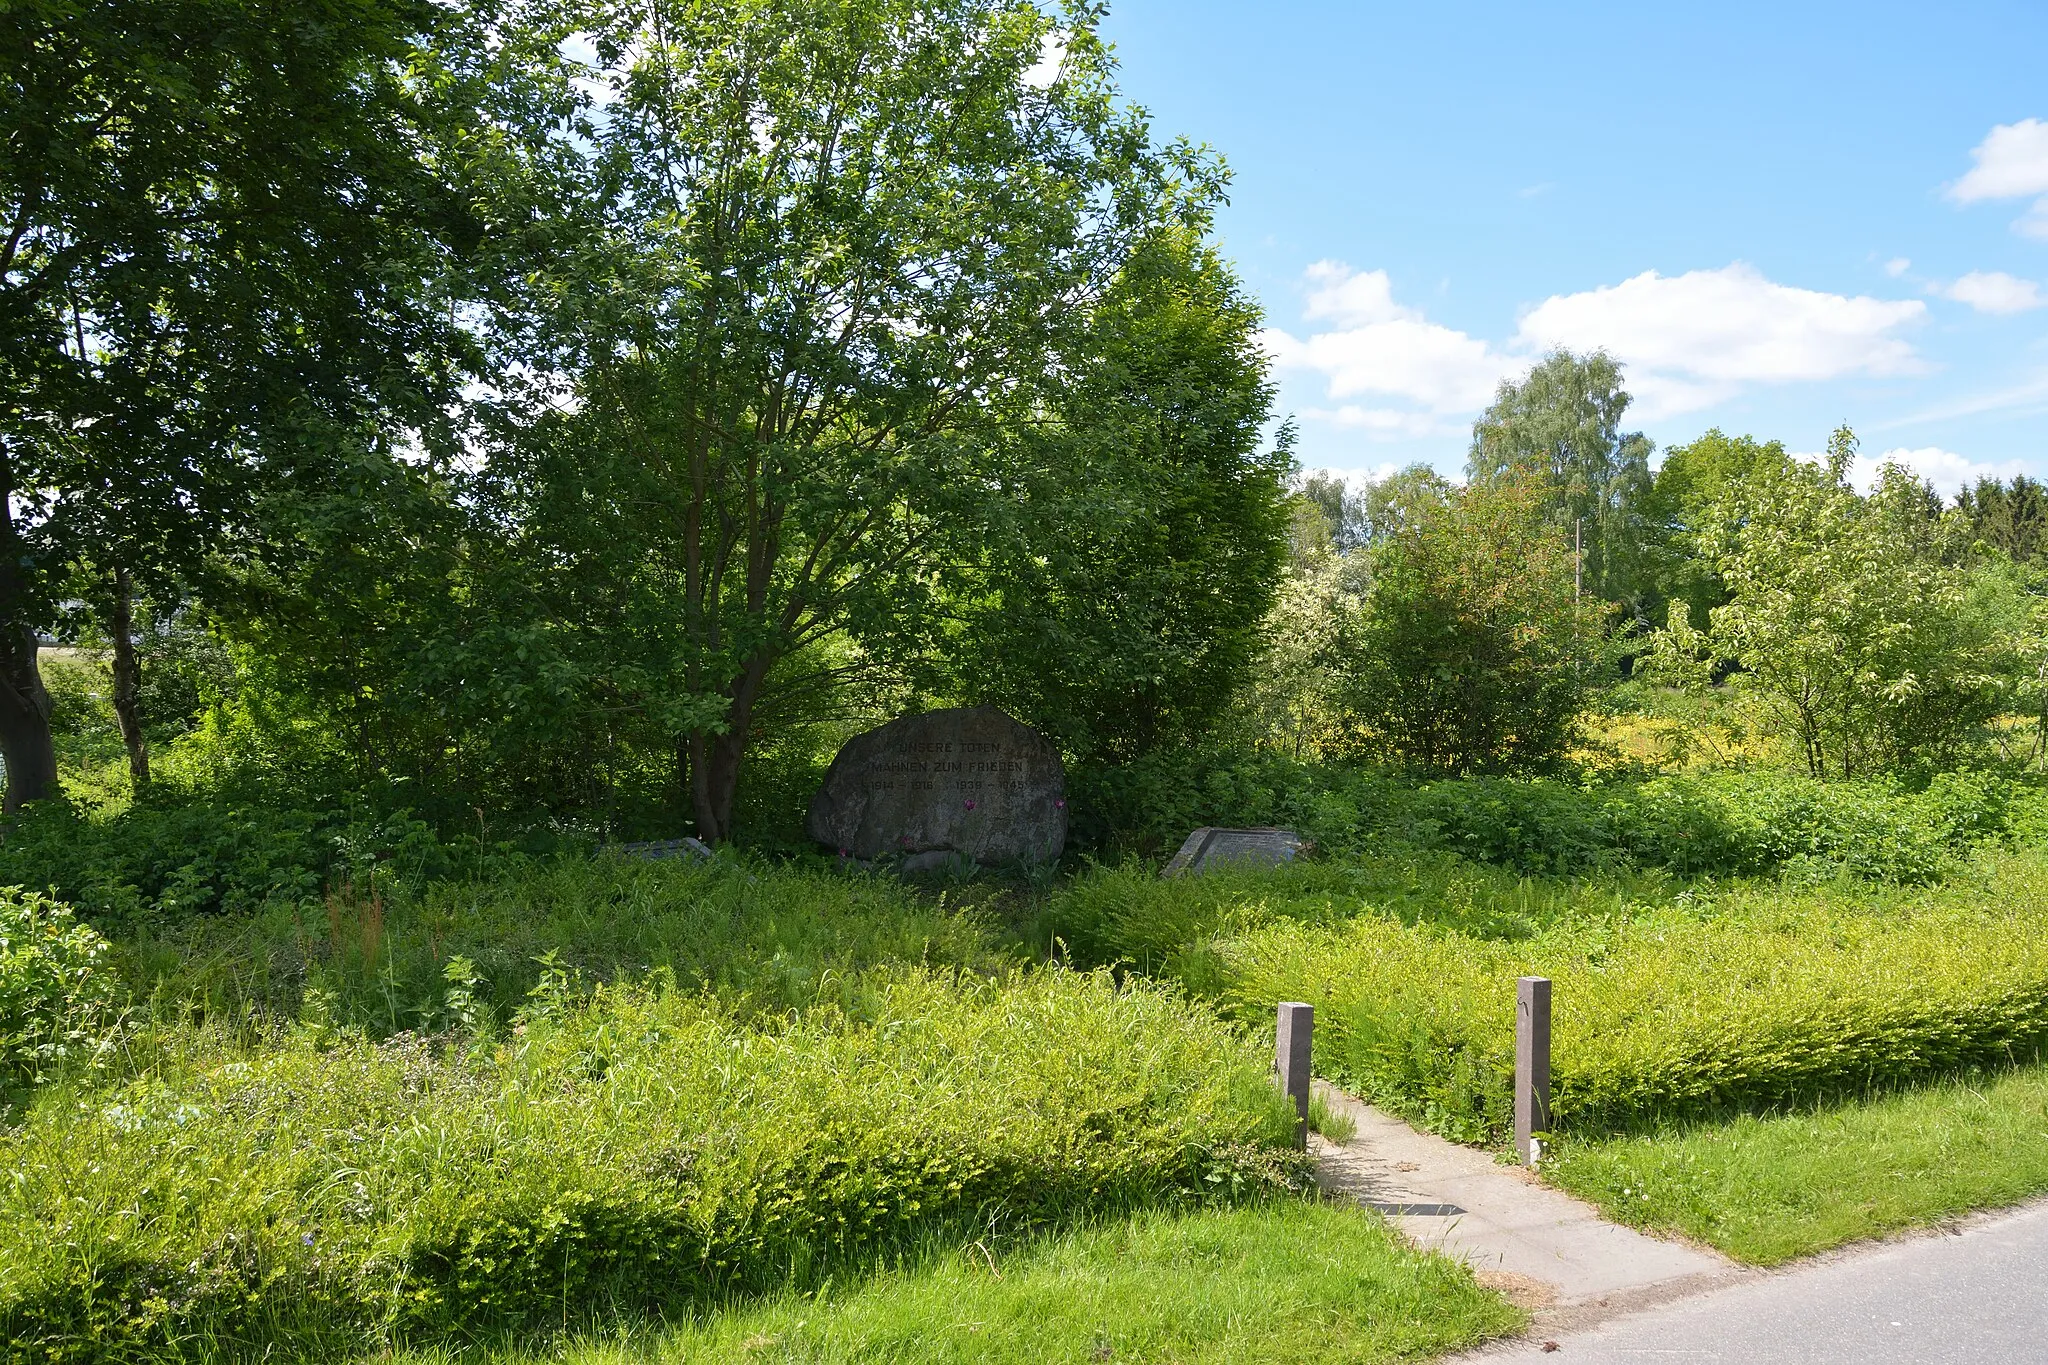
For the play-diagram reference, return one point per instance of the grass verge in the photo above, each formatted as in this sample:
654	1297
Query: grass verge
1765	1190
1284	1282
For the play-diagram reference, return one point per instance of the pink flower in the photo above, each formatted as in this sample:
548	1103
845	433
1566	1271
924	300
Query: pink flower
1059	805
970	805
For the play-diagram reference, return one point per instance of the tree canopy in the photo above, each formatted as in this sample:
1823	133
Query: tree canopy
1561	426
222	236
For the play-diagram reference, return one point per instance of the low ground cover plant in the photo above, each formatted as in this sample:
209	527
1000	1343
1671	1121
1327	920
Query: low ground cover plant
761	936
60	998
1723	824
638	1148
1673	1004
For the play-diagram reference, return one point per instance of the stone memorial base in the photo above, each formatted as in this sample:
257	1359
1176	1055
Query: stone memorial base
968	782
1211	847
658	849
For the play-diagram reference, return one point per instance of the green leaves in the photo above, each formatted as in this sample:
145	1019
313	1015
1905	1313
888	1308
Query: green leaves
1560	429
1474	650
642	1148
1861	638
830	269
60	998
1767	998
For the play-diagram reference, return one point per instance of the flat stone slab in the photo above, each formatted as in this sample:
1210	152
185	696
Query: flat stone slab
1500	1219
1215	846
655	850
968	781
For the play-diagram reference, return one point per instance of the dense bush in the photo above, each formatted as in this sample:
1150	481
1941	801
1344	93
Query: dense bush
59	996
642	1147
761	937
1763	997
187	854
1725	824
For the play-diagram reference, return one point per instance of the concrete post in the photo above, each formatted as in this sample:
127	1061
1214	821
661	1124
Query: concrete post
1532	1064
1292	1033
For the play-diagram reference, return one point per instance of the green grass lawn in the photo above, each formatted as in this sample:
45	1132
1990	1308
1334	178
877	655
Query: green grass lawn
1274	1285
1765	1190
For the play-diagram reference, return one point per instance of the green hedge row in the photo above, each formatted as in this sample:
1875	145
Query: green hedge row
1659	1015
319	1194
1726	824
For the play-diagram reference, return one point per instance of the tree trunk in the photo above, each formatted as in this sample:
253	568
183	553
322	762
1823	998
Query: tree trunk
25	741
714	778
128	683
715	758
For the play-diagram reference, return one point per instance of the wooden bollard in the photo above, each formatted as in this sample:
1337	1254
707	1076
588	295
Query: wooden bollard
1292	1033
1532	1065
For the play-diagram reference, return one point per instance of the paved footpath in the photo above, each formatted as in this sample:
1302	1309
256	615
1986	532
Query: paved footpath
1975	1297
1606	1294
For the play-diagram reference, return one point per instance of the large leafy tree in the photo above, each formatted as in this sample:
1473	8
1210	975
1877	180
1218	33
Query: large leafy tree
217	224
2008	518
1680	510
1473	651
1560	425
1119	606
1858	635
811	270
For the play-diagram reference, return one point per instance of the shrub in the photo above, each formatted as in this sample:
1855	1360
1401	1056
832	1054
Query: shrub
764	938
638	1149
186	854
1475	652
59	997
1725	824
1765	1001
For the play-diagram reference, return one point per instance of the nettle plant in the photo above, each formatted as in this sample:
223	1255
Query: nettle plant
60	999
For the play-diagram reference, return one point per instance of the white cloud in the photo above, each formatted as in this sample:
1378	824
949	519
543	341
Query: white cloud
1994	291
1052	55
1388	423
2012	163
1690	340
1343	296
1897	266
2030	395
1436	367
1377	347
2034	222
1945	469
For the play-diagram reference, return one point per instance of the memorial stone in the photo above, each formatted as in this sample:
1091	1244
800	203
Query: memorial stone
969	781
1210	847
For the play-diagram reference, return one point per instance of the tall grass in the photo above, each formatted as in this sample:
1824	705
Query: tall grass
640	1147
377	953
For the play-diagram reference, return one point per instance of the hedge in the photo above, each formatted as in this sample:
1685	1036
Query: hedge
1664	1014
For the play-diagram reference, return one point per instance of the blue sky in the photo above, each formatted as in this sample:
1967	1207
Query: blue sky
1779	217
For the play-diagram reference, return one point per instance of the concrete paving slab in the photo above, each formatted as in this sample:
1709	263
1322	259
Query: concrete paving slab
1502	1221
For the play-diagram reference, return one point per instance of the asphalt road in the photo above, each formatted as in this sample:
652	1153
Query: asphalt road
1978	1296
